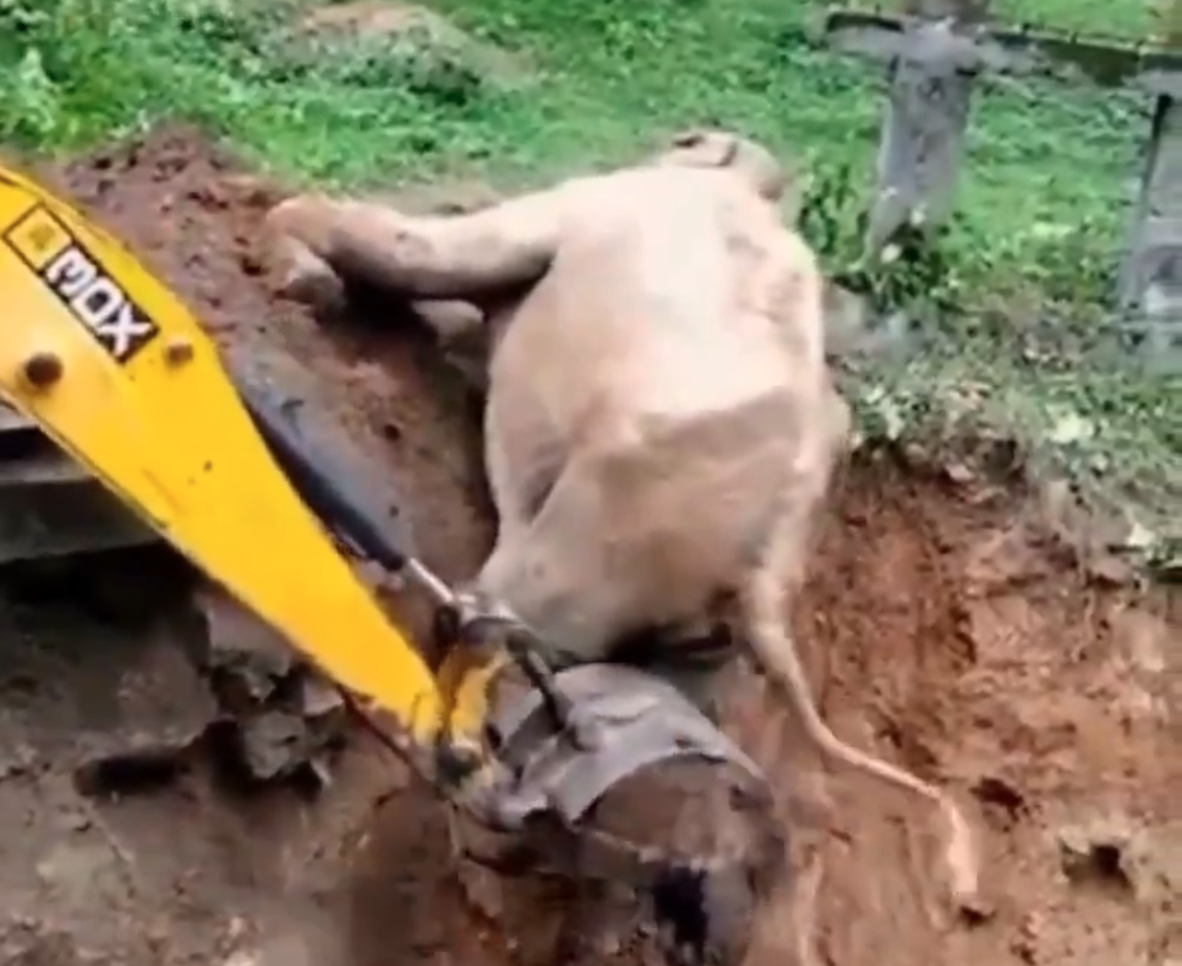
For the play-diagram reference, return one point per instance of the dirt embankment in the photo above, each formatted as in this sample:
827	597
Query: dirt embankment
941	628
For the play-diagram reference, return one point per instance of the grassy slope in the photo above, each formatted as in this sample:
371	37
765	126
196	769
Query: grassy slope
1043	200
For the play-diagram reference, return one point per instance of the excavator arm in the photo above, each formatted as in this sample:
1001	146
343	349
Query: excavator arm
114	369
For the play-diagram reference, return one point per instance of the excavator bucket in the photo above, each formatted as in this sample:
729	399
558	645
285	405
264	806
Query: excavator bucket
120	376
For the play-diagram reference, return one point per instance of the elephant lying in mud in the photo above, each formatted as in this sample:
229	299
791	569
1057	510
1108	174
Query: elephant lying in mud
661	426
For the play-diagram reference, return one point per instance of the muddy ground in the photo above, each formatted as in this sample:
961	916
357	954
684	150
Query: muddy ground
943	626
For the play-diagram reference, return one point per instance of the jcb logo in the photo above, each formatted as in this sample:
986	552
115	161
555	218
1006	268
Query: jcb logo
98	303
95	299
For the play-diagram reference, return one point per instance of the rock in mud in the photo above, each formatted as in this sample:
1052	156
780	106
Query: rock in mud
286	717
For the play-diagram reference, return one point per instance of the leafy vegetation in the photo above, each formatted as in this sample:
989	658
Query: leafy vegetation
1005	325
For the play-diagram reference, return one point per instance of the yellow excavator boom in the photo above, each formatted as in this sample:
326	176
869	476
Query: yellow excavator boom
119	374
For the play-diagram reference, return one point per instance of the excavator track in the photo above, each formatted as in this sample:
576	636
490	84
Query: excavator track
50	506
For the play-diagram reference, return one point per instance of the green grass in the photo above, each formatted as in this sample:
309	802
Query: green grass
1014	309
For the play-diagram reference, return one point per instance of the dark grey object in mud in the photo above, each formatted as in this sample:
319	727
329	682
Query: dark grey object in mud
635	720
703	904
50	506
